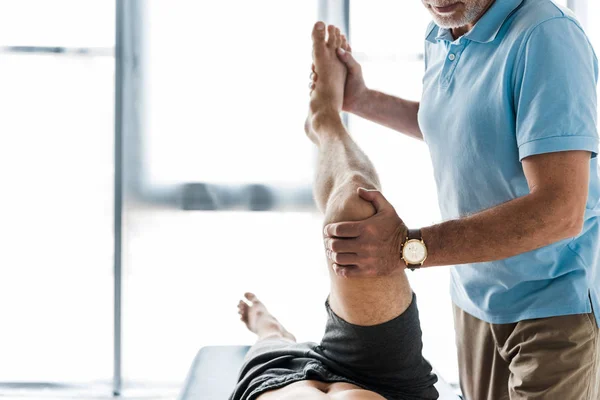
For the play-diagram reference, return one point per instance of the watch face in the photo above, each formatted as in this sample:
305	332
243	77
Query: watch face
414	251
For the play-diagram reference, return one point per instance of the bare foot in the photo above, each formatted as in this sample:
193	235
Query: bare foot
315	77
327	96
329	92
259	320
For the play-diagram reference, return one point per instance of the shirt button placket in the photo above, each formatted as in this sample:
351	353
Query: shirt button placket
450	65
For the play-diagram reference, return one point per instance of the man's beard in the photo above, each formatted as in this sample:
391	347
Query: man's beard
471	13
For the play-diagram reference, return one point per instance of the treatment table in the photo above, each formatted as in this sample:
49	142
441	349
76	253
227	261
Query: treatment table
214	373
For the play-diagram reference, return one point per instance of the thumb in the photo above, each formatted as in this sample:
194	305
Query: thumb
347	58
375	197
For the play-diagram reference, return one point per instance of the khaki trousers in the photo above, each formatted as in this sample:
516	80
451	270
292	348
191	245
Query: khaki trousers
547	358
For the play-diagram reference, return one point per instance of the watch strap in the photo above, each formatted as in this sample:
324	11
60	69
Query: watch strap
414	234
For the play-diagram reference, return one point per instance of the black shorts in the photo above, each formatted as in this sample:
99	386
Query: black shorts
386	359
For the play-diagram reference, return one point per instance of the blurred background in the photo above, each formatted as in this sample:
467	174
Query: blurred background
154	168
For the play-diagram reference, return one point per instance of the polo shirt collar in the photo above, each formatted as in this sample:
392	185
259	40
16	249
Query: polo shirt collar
486	29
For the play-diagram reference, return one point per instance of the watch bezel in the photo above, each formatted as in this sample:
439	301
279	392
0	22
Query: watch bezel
420	262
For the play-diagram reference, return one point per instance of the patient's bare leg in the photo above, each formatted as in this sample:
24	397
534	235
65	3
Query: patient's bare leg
342	168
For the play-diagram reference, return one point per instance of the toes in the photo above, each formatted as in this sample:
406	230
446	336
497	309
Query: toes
251	296
331	36
243	311
346	44
318	33
338	37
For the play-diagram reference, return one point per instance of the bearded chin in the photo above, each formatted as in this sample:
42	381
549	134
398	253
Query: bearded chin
468	17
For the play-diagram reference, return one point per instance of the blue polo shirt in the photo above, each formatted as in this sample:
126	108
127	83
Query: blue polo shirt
522	82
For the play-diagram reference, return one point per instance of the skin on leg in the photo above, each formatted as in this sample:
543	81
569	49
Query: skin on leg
342	168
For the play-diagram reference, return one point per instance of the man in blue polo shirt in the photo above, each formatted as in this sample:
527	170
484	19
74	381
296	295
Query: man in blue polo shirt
509	114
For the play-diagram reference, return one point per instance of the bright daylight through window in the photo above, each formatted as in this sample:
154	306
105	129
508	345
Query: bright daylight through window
220	97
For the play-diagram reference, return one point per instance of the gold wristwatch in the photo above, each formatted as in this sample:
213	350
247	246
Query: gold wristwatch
414	251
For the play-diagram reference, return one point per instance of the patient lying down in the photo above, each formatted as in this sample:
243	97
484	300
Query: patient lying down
372	348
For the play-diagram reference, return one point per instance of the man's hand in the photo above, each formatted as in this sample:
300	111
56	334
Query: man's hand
371	247
355	89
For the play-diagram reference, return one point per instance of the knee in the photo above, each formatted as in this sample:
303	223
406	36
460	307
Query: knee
346	205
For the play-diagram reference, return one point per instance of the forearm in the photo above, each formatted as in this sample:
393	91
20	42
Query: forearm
393	112
504	231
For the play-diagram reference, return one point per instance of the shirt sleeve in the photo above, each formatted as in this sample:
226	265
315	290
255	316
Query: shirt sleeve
555	90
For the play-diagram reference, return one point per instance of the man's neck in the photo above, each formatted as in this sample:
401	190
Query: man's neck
462	30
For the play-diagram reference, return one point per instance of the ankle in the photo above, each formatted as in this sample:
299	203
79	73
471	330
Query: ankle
326	121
